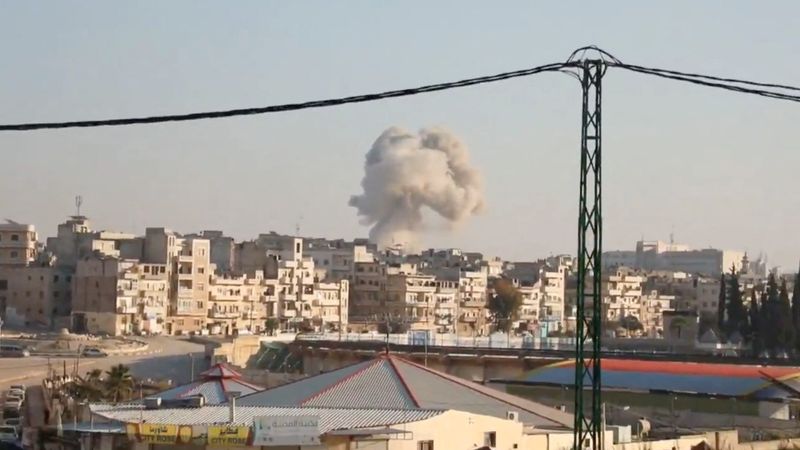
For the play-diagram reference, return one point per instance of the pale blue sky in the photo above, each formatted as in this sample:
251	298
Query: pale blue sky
719	168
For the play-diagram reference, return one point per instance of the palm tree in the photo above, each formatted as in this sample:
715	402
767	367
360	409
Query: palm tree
88	388
94	375
119	383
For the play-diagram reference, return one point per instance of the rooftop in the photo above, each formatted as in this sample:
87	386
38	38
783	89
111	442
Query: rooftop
388	382
330	418
214	385
758	382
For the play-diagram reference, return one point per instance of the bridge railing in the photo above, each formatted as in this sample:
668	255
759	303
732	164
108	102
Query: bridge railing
447	340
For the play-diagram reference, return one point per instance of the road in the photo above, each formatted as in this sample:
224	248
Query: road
165	358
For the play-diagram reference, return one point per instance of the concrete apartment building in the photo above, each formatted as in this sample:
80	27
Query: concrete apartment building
410	296
368	291
32	291
472	300
191	276
543	295
18	244
35	295
651	313
444	300
622	295
336	259
239	303
659	255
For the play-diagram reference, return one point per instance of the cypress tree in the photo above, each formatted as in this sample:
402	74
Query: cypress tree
796	309
721	305
737	315
769	314
755	321
784	325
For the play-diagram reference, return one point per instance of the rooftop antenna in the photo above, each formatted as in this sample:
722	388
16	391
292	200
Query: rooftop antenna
78	203
297	226
672	236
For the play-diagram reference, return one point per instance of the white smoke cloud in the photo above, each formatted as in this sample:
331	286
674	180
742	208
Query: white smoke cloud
405	172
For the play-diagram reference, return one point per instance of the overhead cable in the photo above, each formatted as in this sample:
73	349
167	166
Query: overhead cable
706	80
289	106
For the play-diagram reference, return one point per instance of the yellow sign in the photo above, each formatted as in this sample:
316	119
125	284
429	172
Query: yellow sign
156	433
225	436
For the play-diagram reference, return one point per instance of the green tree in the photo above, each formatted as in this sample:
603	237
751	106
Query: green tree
769	314
784	325
504	304
271	325
88	388
631	323
737	314
119	383
796	309
755	337
723	299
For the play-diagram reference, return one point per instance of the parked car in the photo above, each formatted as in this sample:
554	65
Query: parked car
15	422
13	351
8	433
15	393
11	409
93	352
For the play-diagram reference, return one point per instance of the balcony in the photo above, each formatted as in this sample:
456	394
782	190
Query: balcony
473	304
127	309
215	314
185	292
468	319
225	297
289	313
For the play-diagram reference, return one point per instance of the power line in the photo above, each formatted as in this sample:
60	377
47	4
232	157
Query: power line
708	77
290	106
730	84
716	82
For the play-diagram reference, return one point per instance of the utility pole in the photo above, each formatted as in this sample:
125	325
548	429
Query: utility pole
191	362
588	403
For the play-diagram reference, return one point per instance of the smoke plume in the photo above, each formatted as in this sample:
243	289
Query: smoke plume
405	172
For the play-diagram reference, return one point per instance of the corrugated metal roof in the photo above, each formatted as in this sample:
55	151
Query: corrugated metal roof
220	370
294	393
435	389
377	385
213	384
389	382
330	418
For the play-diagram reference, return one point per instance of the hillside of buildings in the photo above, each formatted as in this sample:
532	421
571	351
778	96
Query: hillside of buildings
165	282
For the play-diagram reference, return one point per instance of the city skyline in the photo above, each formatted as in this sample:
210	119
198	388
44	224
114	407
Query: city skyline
676	159
610	261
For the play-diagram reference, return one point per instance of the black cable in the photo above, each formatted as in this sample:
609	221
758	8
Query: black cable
708	77
290	106
702	80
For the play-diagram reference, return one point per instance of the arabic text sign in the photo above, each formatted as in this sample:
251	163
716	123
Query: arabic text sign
226	436
286	430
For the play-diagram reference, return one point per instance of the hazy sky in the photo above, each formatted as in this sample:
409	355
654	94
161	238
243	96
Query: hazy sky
719	169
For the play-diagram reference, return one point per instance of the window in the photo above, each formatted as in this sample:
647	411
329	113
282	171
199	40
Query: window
14	254
201	270
425	445
55	278
490	439
296	247
14	237
146	269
